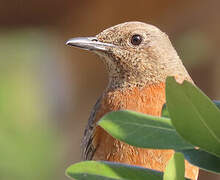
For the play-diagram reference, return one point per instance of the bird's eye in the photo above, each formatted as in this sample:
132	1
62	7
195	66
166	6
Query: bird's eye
136	39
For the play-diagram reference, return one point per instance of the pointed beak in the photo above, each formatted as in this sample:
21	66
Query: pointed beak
89	43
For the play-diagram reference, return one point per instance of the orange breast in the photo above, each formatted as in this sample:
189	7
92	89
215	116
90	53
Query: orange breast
147	100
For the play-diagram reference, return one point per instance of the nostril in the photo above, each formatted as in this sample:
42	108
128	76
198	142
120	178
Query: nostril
95	40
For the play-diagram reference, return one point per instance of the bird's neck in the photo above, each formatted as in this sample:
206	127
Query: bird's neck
146	72
148	99
125	82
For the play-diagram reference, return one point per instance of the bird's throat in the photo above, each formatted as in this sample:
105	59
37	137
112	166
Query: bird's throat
148	99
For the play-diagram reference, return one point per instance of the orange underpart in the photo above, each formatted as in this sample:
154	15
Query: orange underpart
148	100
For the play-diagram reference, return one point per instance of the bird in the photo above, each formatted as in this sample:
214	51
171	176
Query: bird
138	58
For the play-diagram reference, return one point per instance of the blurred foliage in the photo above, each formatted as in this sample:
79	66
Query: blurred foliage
28	144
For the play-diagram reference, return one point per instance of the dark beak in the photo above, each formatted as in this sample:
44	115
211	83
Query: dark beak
89	43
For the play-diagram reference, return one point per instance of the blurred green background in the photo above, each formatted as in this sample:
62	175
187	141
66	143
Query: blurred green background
47	89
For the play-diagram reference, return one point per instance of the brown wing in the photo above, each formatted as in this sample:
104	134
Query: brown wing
88	149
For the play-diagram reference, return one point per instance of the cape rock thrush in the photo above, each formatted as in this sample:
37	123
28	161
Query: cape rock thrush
138	58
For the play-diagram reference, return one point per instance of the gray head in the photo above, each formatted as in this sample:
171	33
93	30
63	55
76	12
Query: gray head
135	54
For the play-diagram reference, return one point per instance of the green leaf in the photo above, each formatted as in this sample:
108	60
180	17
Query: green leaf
195	117
102	170
175	169
165	112
143	130
202	159
217	103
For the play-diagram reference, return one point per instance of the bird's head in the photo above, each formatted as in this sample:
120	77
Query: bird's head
135	54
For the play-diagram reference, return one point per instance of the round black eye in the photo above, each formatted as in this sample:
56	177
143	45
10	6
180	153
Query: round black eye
136	39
